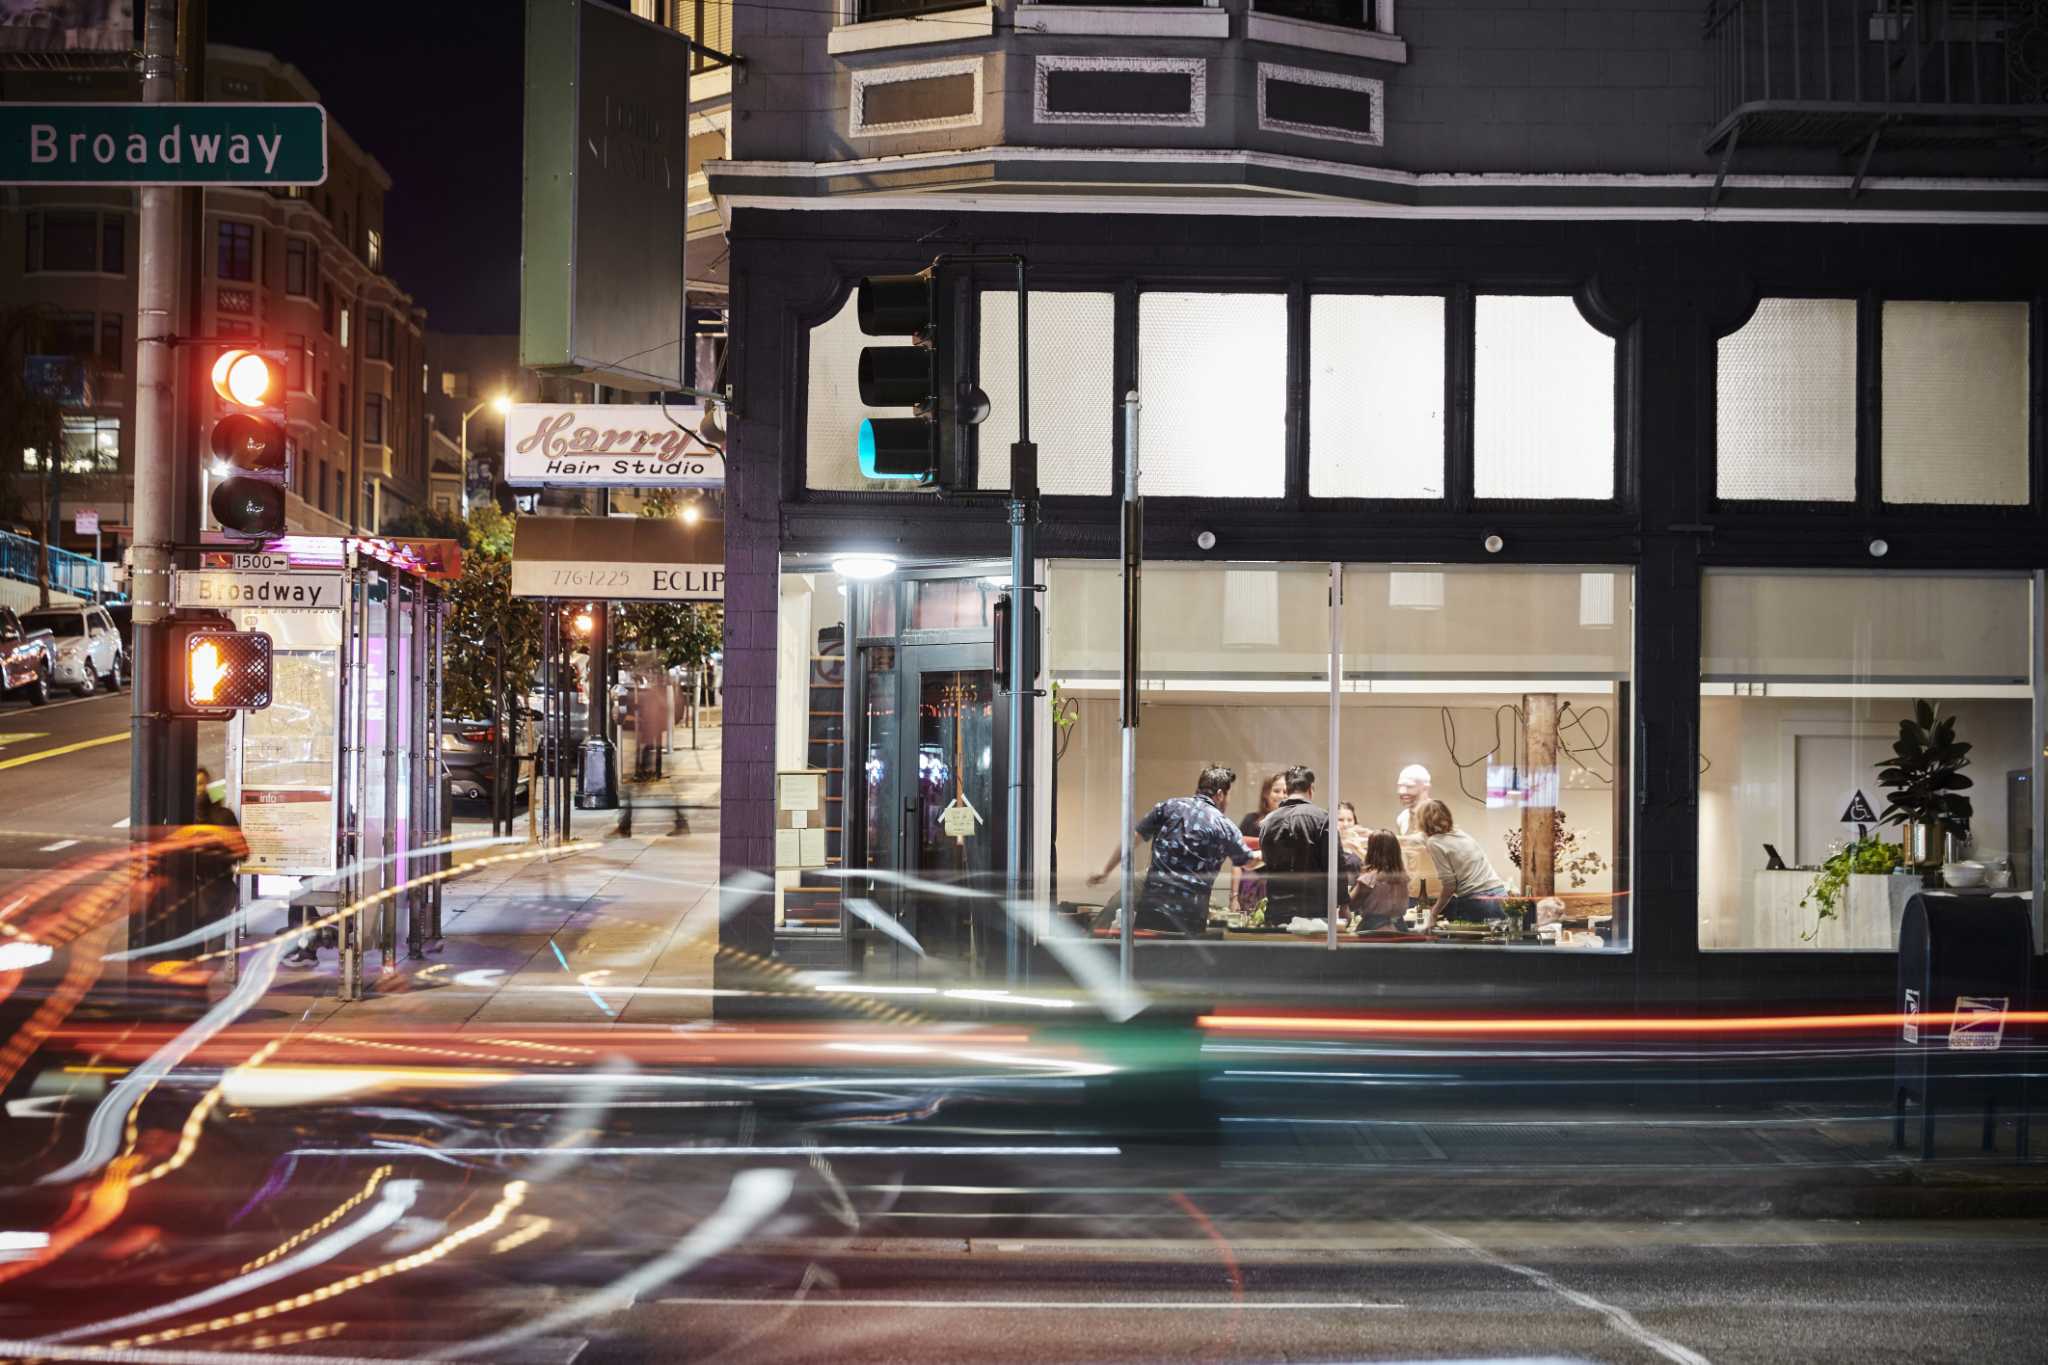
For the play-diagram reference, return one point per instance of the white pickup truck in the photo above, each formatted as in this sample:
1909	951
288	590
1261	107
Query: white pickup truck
89	655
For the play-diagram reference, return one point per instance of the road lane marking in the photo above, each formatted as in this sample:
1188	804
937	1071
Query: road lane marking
17	736
1178	1305
57	847
1620	1319
63	749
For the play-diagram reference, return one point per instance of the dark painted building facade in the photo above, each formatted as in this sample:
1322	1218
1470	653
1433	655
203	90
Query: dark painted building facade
1630	410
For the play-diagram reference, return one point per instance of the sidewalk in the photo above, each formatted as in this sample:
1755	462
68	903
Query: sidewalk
623	933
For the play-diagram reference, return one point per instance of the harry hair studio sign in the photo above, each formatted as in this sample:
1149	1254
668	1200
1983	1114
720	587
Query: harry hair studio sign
608	445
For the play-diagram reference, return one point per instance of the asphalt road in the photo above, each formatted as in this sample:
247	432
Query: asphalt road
63	776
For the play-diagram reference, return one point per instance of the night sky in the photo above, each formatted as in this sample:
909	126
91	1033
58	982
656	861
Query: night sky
431	88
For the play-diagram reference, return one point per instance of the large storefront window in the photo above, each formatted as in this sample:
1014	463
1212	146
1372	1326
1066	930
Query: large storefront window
1805	681
1502	695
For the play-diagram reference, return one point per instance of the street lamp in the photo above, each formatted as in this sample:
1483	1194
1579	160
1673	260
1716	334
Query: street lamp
499	403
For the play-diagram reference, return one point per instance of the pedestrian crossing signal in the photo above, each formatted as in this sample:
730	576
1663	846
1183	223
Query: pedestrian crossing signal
220	670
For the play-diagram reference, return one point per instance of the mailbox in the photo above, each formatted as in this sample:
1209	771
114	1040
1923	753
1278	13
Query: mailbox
1965	964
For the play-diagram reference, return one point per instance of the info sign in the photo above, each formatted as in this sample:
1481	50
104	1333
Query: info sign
609	445
163	144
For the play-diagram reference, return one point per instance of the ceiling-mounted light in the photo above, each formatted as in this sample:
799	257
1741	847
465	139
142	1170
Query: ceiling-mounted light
864	567
1879	549
1205	540
1494	544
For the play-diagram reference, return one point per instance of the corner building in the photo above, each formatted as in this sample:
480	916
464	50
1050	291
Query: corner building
1625	412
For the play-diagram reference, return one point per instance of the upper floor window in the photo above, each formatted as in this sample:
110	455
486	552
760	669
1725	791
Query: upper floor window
1376	396
92	445
1954	402
454	384
343	414
376	335
1358	14
373	419
301	267
235	251
373	245
1543	419
1192	349
295	363
327	308
112	357
76	240
344	328
1785	403
348	232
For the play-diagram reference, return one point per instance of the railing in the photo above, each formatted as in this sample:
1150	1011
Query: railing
80	575
1876	52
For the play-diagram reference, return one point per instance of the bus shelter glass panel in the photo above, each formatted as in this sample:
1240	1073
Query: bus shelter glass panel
810	738
1806	679
1485	724
1235	667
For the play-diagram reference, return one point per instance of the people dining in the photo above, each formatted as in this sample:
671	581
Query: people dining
1248	884
1294	845
1380	899
1191	837
1467	886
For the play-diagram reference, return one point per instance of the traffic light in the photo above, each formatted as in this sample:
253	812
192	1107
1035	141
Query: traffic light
247	445
929	447
216	669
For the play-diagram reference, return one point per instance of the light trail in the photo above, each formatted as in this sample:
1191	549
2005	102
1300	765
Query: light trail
188	1137
387	1153
341	1211
1770	1023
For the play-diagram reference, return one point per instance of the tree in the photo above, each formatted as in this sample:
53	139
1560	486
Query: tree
482	609
427	523
29	420
682	634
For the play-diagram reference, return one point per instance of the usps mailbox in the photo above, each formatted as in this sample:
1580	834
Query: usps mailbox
1965	964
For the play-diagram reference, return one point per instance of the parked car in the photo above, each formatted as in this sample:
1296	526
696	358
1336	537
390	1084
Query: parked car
469	753
123	613
28	658
89	653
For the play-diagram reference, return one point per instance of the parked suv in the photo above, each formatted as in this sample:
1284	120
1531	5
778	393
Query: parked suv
89	654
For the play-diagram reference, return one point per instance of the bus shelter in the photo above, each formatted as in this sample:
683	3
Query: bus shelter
336	782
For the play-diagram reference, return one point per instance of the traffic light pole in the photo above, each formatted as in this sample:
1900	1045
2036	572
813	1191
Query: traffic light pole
154	795
1023	658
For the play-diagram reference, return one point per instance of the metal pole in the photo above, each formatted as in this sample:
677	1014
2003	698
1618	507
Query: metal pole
387	911
1133	560
155	518
1023	664
1336	731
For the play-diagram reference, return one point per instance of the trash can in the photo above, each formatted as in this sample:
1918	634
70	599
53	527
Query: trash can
1965	964
597	775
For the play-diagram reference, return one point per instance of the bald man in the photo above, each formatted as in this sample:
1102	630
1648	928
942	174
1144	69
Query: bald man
1413	788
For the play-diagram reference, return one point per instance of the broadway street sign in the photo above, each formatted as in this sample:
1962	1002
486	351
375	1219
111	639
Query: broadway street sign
163	144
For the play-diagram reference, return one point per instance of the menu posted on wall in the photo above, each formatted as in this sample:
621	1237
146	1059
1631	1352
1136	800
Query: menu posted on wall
288	768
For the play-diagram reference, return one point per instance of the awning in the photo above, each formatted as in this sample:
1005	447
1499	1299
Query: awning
649	559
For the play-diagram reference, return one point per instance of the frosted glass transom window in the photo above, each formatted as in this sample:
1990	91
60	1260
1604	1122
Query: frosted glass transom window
833	414
1543	400
1073	377
1212	373
1954	410
1376	396
1785	404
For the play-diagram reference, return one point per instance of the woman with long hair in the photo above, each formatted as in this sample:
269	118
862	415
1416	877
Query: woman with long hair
1383	888
1467	886
1248	886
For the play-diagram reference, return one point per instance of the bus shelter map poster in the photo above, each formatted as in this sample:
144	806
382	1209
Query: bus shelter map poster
288	773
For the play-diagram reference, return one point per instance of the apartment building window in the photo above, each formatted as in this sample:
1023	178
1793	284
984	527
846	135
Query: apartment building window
348	231
326	415
454	384
344	329
373	419
112	359
235	256
76	241
374	238
72	334
92	445
295	362
342	411
301	264
424	371
327	308
341	494
376	335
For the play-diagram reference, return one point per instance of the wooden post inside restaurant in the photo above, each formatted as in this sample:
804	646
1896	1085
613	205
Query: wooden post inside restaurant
1539	815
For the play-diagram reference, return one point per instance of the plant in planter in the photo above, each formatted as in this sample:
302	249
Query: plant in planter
1867	857
1924	776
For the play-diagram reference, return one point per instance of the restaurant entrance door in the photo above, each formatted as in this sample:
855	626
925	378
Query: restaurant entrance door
934	745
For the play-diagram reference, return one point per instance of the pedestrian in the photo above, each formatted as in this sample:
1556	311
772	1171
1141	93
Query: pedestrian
1294	844
1191	836
1467	886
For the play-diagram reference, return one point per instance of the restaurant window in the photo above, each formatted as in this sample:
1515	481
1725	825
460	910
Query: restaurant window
1543	400
92	445
113	359
1212	372
1072	355
1954	405
376	335
1805	679
1785	404
373	419
235	251
1376	396
1504	694
301	265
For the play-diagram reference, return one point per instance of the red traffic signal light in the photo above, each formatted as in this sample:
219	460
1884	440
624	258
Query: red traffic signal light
248	447
218	669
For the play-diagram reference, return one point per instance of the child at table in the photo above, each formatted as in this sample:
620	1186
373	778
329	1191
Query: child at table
1381	897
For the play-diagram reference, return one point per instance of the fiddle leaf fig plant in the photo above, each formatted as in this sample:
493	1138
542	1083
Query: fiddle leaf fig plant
1924	776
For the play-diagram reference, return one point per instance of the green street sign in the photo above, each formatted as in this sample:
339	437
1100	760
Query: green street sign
163	144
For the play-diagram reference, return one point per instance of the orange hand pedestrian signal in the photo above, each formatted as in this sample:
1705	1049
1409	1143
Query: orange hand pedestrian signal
223	670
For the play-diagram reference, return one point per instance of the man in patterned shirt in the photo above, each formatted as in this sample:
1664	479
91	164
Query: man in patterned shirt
1191	836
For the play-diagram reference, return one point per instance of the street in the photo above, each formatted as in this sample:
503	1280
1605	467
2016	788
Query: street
63	780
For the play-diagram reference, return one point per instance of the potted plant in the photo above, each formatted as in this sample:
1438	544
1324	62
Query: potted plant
1829	893
1925	780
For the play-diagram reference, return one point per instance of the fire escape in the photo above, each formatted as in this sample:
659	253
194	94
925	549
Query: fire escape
1856	74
